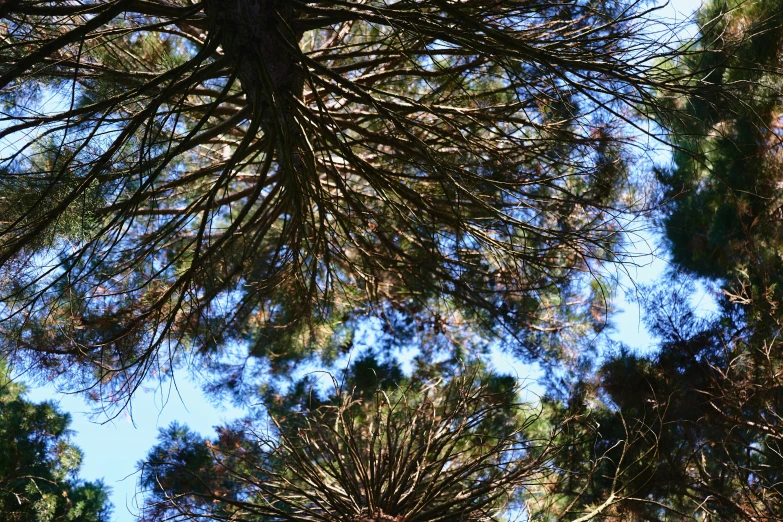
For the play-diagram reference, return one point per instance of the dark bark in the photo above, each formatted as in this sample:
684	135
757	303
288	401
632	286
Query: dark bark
258	35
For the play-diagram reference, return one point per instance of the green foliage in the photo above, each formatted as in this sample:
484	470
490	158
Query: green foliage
716	381
688	431
723	193
39	465
183	464
248	185
266	175
462	450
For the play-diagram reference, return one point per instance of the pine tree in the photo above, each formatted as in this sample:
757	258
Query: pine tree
692	430
722	195
710	399
182	177
39	464
462	450
710	392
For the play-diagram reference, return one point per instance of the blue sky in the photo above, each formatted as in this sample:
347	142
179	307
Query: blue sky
113	447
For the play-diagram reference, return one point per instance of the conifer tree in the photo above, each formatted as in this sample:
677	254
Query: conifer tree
712	386
691	431
710	400
181	177
722	195
39	464
462	450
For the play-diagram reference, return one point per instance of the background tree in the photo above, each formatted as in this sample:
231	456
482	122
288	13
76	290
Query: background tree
718	378
39	465
706	405
723	193
187	177
713	382
466	449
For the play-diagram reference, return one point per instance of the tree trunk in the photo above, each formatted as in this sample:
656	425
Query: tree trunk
258	35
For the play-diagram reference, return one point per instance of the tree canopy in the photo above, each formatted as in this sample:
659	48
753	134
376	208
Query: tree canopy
712	385
255	186
185	177
462	451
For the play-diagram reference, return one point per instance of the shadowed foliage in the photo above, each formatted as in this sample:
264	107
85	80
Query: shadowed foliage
186	177
39	464
462	450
